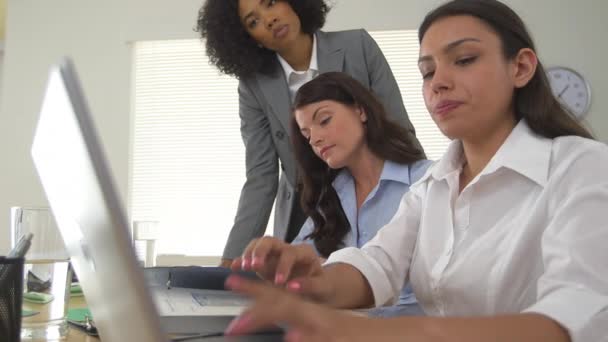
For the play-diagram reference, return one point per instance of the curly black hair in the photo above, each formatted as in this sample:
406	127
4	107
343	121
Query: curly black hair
232	50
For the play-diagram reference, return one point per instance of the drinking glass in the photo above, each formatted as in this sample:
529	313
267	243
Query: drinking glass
47	275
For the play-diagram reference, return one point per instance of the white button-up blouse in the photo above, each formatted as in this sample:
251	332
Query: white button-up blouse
528	234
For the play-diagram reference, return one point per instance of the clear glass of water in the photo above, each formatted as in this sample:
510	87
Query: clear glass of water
46	277
145	234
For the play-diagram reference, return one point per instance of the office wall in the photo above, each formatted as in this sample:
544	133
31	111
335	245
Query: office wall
40	32
97	35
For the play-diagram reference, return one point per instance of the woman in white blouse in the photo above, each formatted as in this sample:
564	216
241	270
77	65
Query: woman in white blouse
504	239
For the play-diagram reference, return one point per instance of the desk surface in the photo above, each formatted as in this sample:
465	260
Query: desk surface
77	335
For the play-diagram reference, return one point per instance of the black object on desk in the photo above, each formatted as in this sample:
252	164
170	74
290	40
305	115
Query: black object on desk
192	277
11	297
87	326
268	335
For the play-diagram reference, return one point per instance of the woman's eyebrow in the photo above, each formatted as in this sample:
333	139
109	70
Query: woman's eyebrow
449	47
314	115
250	14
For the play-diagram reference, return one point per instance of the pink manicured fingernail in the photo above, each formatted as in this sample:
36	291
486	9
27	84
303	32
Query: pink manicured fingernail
238	325
293	336
279	278
294	286
257	261
246	264
232	282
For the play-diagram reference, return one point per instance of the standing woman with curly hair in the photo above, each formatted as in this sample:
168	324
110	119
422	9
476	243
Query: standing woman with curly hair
273	47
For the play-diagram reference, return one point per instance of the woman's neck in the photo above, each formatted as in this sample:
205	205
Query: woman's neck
299	53
366	171
478	151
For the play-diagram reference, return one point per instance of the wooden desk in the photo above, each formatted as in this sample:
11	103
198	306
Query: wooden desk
75	334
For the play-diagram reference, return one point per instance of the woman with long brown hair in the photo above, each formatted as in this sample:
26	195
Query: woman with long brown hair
354	164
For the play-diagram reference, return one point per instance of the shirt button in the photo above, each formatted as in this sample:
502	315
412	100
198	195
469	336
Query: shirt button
279	134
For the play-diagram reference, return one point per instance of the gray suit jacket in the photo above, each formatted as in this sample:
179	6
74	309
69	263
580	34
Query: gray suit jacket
265	111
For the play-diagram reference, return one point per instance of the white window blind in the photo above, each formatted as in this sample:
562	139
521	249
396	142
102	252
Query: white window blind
187	165
188	157
401	50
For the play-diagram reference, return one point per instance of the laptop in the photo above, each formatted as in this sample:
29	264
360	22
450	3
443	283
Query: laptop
78	183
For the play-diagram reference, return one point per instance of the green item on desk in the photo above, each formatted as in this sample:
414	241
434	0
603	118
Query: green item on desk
28	313
37	297
76	290
78	315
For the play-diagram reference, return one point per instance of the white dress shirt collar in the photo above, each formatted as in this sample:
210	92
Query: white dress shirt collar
313	65
523	151
390	171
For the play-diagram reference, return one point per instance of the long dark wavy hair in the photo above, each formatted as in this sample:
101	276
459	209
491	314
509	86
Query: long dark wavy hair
534	102
232	50
386	139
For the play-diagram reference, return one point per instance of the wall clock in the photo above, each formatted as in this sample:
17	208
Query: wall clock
571	89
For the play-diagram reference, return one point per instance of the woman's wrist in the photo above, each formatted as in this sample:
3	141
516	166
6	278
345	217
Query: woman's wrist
347	288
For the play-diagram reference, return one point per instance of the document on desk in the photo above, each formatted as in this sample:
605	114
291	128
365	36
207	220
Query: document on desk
193	302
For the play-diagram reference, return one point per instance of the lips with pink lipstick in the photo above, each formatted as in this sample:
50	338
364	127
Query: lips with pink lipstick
445	106
324	150
280	32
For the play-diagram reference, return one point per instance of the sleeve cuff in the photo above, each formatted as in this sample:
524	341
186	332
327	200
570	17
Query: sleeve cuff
373	273
575	310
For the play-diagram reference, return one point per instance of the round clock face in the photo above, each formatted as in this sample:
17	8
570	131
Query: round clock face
571	89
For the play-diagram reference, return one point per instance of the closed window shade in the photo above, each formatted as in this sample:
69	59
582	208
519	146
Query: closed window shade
401	50
188	164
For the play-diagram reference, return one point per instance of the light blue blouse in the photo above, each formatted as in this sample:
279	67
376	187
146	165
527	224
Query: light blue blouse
377	209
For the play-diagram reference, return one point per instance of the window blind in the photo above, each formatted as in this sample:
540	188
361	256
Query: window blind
400	47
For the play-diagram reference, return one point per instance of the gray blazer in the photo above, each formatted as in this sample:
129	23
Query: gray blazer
265	111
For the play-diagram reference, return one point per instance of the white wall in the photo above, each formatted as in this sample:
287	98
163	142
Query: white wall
1	66
97	35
